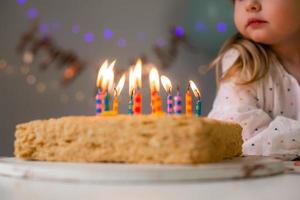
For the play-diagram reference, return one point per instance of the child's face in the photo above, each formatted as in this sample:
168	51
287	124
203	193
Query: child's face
268	21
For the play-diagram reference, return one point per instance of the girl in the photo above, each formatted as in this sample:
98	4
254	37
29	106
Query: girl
259	76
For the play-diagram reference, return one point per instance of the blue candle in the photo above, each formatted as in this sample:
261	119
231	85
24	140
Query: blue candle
177	103
198	107
130	105
198	95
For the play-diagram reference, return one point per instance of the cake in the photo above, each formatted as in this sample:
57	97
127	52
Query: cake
166	139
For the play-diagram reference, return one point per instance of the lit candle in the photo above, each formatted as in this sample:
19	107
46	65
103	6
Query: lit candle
117	92
115	102
154	87
188	101
168	87
137	99
99	95
108	79
198	95
131	91
177	102
98	102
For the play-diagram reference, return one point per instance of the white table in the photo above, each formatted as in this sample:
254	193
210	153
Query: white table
283	186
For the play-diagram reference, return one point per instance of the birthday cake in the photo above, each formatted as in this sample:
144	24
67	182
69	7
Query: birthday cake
167	139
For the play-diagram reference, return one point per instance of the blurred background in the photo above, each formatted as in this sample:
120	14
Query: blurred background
50	52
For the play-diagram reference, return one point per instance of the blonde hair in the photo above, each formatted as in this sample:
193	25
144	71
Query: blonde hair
252	64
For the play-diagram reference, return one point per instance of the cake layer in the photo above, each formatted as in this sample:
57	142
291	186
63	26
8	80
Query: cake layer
131	139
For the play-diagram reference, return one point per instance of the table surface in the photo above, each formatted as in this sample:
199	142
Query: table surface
283	186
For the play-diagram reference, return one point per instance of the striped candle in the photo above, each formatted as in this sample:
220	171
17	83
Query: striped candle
153	96
177	103
99	97
106	102
130	105
168	88
188	102
137	102
170	104
158	104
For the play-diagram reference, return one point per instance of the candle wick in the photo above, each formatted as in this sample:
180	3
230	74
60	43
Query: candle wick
198	95
116	92
188	87
177	89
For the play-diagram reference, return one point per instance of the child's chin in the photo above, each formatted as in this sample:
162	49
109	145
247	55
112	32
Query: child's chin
261	39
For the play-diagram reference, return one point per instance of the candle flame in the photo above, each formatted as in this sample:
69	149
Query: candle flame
195	89
154	80
120	85
138	74
131	81
165	81
101	73
108	77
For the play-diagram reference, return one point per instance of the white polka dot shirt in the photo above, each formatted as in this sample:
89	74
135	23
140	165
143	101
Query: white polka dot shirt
268	110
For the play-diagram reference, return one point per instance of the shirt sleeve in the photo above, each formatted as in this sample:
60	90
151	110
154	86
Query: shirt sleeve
261	134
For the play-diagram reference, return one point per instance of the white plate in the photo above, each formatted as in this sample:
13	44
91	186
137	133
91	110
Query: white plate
242	167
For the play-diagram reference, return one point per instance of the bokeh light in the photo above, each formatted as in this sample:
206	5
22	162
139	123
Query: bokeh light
21	2
179	31
122	42
221	27
32	13
89	37
76	29
44	28
107	33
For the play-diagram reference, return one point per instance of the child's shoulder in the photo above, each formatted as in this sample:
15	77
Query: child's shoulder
275	72
229	59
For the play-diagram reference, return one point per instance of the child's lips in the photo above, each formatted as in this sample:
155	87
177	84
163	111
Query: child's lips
255	22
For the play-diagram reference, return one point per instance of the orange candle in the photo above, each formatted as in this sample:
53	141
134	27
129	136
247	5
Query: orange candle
154	87
188	102
137	102
117	92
